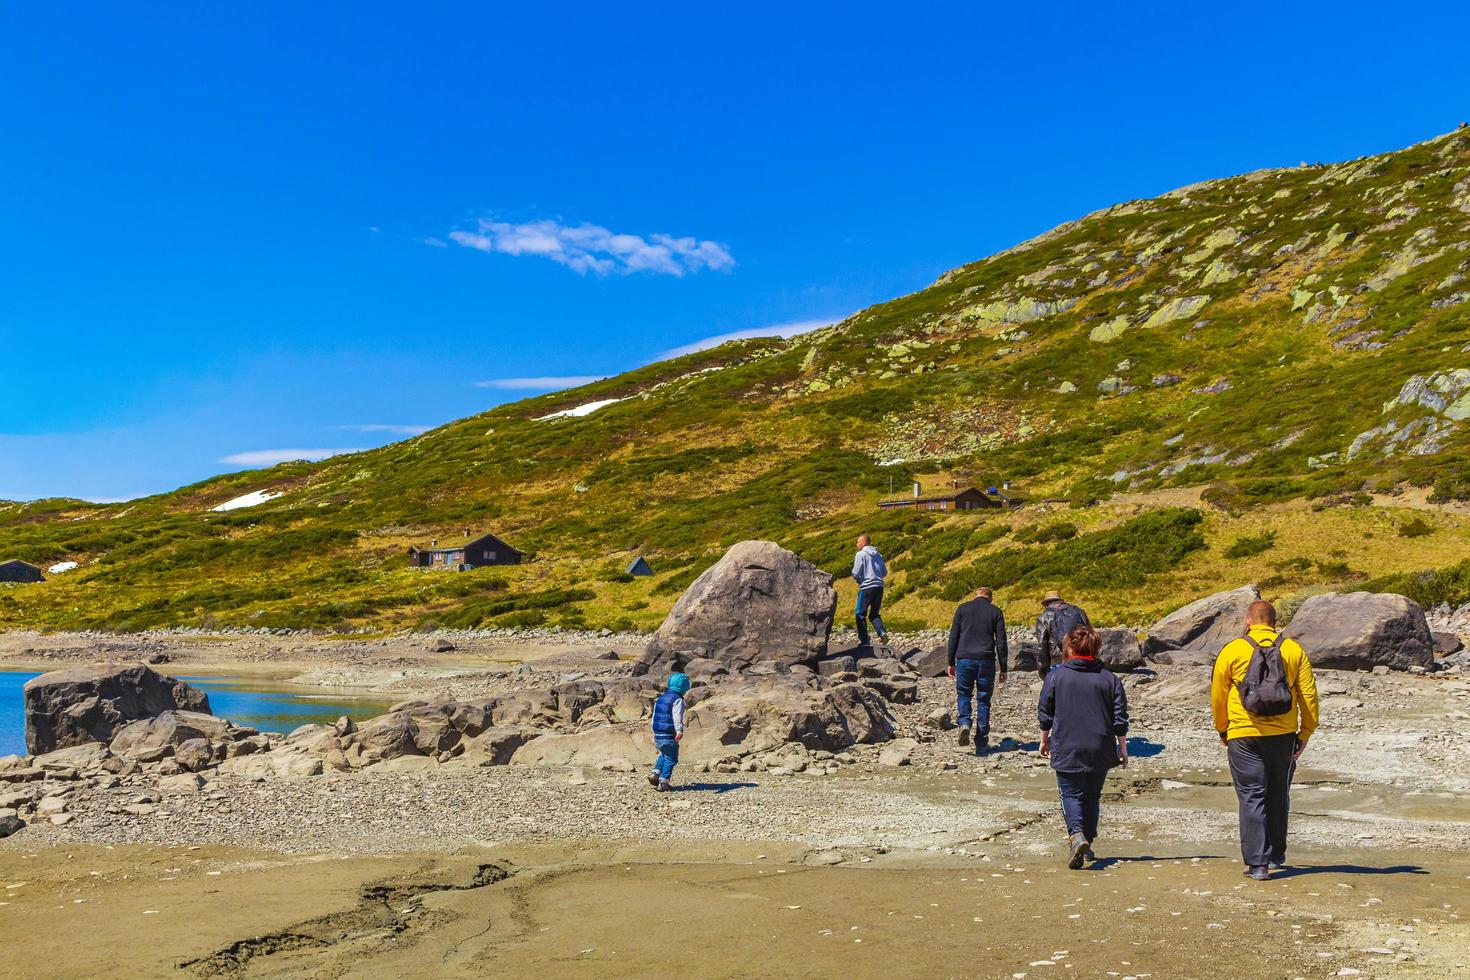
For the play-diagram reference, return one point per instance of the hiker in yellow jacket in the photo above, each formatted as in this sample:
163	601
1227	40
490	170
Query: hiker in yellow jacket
1263	749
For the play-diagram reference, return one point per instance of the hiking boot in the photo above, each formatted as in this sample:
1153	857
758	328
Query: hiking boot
965	736
1259	872
653	780
1088	854
1077	847
1276	864
663	786
882	637
982	745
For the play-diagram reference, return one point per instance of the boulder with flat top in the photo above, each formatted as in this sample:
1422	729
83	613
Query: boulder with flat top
77	705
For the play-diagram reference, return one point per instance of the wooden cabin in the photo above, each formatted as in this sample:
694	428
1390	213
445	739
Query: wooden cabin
16	570
484	550
967	499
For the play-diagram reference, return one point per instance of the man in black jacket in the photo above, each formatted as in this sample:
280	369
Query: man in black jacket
1058	618
977	644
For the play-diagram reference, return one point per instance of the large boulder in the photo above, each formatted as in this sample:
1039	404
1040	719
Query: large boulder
1363	630
88	704
1121	650
759	602
1194	635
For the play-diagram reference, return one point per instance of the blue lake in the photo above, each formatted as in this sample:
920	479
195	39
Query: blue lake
259	702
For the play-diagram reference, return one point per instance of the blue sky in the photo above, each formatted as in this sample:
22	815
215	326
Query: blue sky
234	231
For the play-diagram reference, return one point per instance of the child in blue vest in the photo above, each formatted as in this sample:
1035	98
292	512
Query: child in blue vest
668	730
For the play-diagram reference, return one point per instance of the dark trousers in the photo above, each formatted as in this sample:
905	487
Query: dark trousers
1081	794
869	603
973	682
1260	767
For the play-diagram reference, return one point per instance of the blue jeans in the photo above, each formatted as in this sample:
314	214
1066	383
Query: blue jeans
1081	794
668	757
870	601
973	681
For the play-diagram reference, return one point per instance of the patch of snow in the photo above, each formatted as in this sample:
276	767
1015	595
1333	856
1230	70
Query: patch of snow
252	499
579	411
62	566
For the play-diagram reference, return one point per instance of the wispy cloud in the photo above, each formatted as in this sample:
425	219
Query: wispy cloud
592	248
550	383
270	457
397	430
774	330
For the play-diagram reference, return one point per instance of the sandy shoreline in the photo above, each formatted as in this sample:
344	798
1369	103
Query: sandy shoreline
383	871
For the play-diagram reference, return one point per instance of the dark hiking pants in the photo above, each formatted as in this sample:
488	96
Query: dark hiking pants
1260	767
1081	794
869	604
973	682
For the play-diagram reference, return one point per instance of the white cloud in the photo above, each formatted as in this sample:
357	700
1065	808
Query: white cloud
592	248
397	430
549	383
774	330
270	457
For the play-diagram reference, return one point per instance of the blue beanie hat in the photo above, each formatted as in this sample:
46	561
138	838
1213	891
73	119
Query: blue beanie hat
679	683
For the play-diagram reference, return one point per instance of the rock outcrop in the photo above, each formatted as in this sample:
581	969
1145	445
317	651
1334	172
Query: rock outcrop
89	704
1194	634
758	603
1363	630
1121	650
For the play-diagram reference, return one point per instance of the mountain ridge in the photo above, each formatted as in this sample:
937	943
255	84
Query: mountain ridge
1288	341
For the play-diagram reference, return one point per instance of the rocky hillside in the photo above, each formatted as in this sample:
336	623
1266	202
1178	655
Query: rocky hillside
1261	378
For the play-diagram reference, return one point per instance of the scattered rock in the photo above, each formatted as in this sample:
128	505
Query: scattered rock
898	752
1121	650
933	662
194	754
182	784
10	825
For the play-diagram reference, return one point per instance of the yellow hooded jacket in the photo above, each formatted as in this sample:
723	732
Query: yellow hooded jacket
1231	717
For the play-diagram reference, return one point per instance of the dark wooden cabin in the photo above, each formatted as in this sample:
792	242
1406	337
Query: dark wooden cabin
484	550
967	499
16	570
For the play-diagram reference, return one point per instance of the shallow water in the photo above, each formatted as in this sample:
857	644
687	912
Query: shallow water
259	702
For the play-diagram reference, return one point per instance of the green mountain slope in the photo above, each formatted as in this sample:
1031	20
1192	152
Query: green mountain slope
1203	387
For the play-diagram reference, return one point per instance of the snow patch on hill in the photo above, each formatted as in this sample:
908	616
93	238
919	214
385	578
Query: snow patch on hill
251	499
62	566
579	411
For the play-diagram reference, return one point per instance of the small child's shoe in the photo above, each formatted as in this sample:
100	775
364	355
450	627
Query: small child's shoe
663	785
653	780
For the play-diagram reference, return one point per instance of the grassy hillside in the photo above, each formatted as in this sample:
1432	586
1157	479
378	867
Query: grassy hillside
1263	377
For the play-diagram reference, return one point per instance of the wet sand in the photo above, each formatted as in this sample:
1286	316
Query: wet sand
733	910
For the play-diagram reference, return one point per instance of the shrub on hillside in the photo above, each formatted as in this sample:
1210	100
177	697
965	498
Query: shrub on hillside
1244	547
1415	527
1430	587
1123	556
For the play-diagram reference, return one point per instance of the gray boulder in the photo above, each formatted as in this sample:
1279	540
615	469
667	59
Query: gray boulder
1194	634
1447	644
88	704
933	662
1363	630
759	602
1121	650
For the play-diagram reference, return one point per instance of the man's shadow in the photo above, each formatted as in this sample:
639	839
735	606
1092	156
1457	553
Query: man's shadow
1142	748
1348	869
715	788
1103	863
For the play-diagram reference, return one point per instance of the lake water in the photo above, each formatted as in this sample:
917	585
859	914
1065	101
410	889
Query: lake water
259	702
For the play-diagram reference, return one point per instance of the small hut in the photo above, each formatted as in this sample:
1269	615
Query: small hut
16	570
484	550
638	566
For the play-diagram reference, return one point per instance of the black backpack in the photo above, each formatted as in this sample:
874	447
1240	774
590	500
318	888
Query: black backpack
1265	690
1065	617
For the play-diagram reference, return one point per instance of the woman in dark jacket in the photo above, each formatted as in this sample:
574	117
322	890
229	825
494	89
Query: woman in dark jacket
1084	727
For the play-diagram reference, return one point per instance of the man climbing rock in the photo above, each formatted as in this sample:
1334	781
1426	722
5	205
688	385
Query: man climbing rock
869	570
1057	619
977	646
